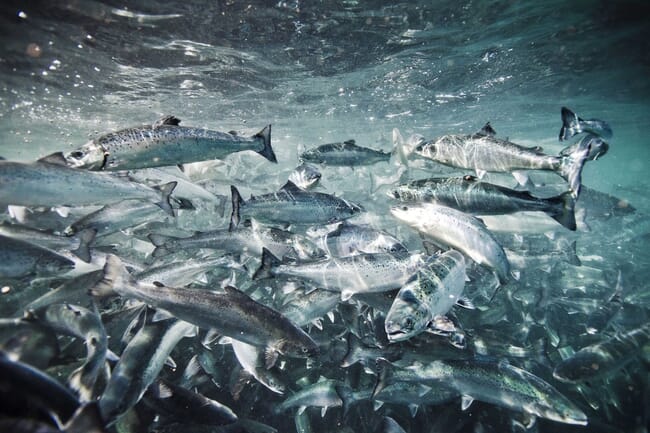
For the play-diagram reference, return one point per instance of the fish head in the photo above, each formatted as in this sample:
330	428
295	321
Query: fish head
559	409
597	146
408	214
426	149
388	244
91	155
303	347
582	366
407	317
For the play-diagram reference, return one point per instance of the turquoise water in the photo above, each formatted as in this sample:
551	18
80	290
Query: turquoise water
329	71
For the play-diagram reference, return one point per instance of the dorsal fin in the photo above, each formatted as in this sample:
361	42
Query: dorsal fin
167	120
487	130
235	292
290	187
54	158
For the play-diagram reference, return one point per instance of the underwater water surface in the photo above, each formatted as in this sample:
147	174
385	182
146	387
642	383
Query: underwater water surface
331	71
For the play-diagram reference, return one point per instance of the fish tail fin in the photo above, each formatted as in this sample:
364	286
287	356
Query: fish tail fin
571	167
184	203
268	262
115	279
237	201
570	124
82	383
571	255
267	151
86	237
87	418
165	191
384	374
564	211
400	152
354	346
160	242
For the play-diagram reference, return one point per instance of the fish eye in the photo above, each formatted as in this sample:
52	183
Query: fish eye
77	154
408	323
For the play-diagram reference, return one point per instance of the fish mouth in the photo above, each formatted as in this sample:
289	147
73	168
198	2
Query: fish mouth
397	335
105	160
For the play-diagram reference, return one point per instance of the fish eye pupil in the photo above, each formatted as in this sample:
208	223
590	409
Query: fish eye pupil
77	154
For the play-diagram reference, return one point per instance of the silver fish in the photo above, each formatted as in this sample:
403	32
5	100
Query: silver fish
468	194
458	230
115	217
78	245
163	143
597	147
572	124
19	259
347	153
601	359
245	238
252	361
413	395
321	394
180	273
140	364
45	184
170	399
303	307
483	152
81	323
291	205
490	381
431	292
233	313
362	273
349	239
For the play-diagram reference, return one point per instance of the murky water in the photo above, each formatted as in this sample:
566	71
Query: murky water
322	72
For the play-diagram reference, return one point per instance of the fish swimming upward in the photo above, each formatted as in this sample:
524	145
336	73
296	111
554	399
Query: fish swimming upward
163	143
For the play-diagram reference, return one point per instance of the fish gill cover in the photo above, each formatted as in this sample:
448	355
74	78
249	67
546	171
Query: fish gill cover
159	273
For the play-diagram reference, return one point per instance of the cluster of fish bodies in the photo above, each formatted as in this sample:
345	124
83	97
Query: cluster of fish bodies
144	282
